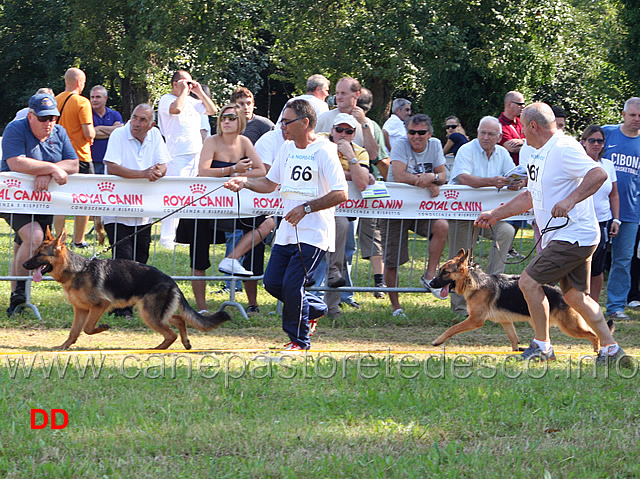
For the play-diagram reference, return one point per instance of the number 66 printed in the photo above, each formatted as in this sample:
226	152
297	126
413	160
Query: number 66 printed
297	172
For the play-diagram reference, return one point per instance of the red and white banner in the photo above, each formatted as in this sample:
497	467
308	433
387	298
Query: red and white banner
106	195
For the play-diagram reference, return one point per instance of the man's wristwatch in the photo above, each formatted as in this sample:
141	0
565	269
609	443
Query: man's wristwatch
365	125
353	161
307	208
437	179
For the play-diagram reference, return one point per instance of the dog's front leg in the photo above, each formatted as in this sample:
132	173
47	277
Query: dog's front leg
79	317
471	323
95	313
513	336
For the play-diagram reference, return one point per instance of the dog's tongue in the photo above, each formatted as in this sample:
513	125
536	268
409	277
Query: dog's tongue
444	292
37	274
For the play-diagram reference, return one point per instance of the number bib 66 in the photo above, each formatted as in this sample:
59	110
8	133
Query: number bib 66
300	181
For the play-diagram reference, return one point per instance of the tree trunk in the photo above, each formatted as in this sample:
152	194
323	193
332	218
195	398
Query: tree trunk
382	90
131	95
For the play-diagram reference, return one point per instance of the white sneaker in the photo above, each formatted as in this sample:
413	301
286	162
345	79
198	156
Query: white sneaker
634	304
398	313
233	267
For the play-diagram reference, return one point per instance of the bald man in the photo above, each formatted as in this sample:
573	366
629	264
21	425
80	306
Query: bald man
76	117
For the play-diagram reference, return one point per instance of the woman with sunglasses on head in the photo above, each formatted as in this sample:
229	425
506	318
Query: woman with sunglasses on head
606	203
456	136
225	154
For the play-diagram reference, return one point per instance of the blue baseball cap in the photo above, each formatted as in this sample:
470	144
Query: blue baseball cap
44	104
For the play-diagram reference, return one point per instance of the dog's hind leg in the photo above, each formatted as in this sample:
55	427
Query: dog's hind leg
179	323
469	324
158	325
572	324
513	336
95	313
79	318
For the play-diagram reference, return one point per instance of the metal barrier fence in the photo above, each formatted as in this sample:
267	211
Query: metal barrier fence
359	276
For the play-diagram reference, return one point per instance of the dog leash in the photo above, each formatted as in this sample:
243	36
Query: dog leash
545	230
145	227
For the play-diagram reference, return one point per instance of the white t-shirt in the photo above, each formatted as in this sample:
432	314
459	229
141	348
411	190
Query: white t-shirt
601	197
395	128
124	150
555	171
181	132
268	146
318	105
317	228
424	162
471	159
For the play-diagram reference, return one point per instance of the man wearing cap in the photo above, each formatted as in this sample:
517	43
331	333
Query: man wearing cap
355	163
37	146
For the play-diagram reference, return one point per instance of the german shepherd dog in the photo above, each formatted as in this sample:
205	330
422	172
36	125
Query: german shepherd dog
498	298
95	286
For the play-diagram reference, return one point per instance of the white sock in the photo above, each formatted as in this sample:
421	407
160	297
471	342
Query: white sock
611	349
543	345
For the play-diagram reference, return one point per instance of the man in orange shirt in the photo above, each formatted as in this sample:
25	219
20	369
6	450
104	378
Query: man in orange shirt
76	116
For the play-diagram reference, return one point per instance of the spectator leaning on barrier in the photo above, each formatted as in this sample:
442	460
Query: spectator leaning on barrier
482	163
37	146
135	151
312	183
355	163
416	160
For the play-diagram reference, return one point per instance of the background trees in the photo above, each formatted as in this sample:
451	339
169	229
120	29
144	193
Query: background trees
447	56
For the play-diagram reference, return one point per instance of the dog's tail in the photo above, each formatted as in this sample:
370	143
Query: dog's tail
203	322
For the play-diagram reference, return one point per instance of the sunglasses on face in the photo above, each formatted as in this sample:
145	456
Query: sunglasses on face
43	119
288	122
229	117
599	141
348	131
417	132
519	103
451	127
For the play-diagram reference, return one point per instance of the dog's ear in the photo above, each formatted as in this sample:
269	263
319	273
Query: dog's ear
47	234
62	237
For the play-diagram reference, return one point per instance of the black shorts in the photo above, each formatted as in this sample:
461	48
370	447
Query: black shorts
85	167
599	258
17	221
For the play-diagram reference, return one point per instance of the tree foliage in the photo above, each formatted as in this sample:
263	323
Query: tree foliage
447	56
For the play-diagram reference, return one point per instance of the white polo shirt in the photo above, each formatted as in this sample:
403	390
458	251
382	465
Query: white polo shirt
125	150
472	160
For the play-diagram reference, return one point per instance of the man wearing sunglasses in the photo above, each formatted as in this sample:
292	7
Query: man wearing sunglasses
417	160
37	146
312	183
355	163
512	136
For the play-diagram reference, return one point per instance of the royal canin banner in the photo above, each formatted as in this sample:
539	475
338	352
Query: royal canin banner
107	195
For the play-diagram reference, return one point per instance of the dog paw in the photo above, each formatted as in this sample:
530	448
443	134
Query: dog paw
436	343
187	345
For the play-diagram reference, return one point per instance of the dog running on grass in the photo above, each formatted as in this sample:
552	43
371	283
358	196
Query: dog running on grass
498	298
95	286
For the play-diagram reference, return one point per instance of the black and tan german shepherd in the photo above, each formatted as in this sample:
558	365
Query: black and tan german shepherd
95	286
498	298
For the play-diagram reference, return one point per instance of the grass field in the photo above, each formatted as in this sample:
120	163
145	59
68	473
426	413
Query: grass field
402	410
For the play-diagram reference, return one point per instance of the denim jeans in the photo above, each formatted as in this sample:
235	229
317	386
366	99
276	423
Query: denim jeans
620	274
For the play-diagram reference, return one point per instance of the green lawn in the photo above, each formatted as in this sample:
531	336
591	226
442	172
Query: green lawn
330	414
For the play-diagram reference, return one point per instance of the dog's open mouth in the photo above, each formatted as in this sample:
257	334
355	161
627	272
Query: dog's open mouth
441	293
41	271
